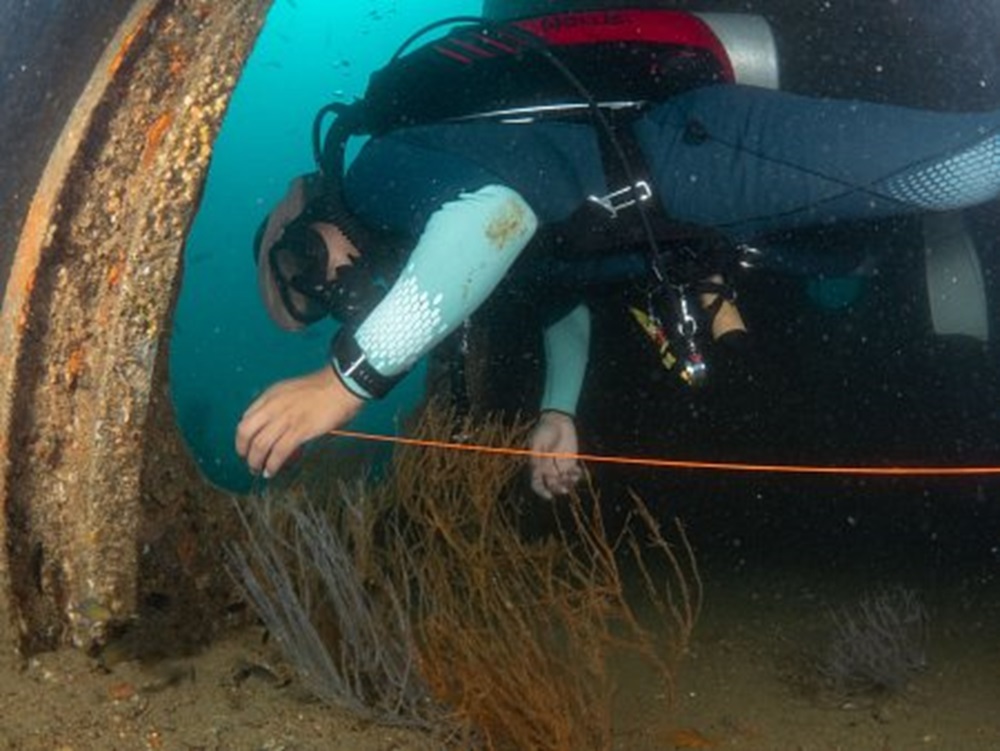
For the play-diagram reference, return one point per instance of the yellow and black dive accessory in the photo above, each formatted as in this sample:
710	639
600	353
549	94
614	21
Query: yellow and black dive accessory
679	347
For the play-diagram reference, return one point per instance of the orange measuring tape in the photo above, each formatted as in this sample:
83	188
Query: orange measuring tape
799	469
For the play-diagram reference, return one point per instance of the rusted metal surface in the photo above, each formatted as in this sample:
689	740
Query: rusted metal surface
103	511
48	49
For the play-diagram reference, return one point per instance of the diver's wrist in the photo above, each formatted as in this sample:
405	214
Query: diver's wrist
352	386
554	413
355	371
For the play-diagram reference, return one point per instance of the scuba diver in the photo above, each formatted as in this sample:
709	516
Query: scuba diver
537	157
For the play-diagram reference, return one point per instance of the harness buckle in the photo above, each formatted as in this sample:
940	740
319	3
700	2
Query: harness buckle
748	256
623	198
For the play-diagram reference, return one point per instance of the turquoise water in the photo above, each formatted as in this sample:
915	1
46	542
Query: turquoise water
225	350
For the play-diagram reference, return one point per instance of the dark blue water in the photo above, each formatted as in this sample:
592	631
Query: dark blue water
225	350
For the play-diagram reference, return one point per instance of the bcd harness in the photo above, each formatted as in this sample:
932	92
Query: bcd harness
605	66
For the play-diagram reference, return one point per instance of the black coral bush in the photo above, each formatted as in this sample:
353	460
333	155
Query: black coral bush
418	600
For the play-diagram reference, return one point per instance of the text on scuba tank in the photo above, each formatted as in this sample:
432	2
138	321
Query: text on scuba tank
577	20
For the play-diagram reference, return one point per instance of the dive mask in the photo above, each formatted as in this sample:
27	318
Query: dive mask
298	262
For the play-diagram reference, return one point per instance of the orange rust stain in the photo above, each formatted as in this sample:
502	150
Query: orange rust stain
114	275
178	60
154	136
127	43
688	738
28	287
75	365
36	223
24	272
119	58
15	314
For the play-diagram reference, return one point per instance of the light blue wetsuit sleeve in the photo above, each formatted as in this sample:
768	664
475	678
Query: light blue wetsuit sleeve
566	345
466	248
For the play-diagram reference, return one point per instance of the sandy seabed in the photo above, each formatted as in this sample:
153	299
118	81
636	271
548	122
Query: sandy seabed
734	687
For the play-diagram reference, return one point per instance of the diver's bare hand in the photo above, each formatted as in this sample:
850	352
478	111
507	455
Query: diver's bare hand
555	433
290	413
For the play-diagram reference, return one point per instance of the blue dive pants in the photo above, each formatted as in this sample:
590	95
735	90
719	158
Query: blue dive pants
750	161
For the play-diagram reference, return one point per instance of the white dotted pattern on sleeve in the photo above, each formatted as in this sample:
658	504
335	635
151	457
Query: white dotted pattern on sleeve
405	323
465	250
969	177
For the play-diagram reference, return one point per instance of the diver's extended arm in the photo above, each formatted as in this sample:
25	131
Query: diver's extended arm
465	250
